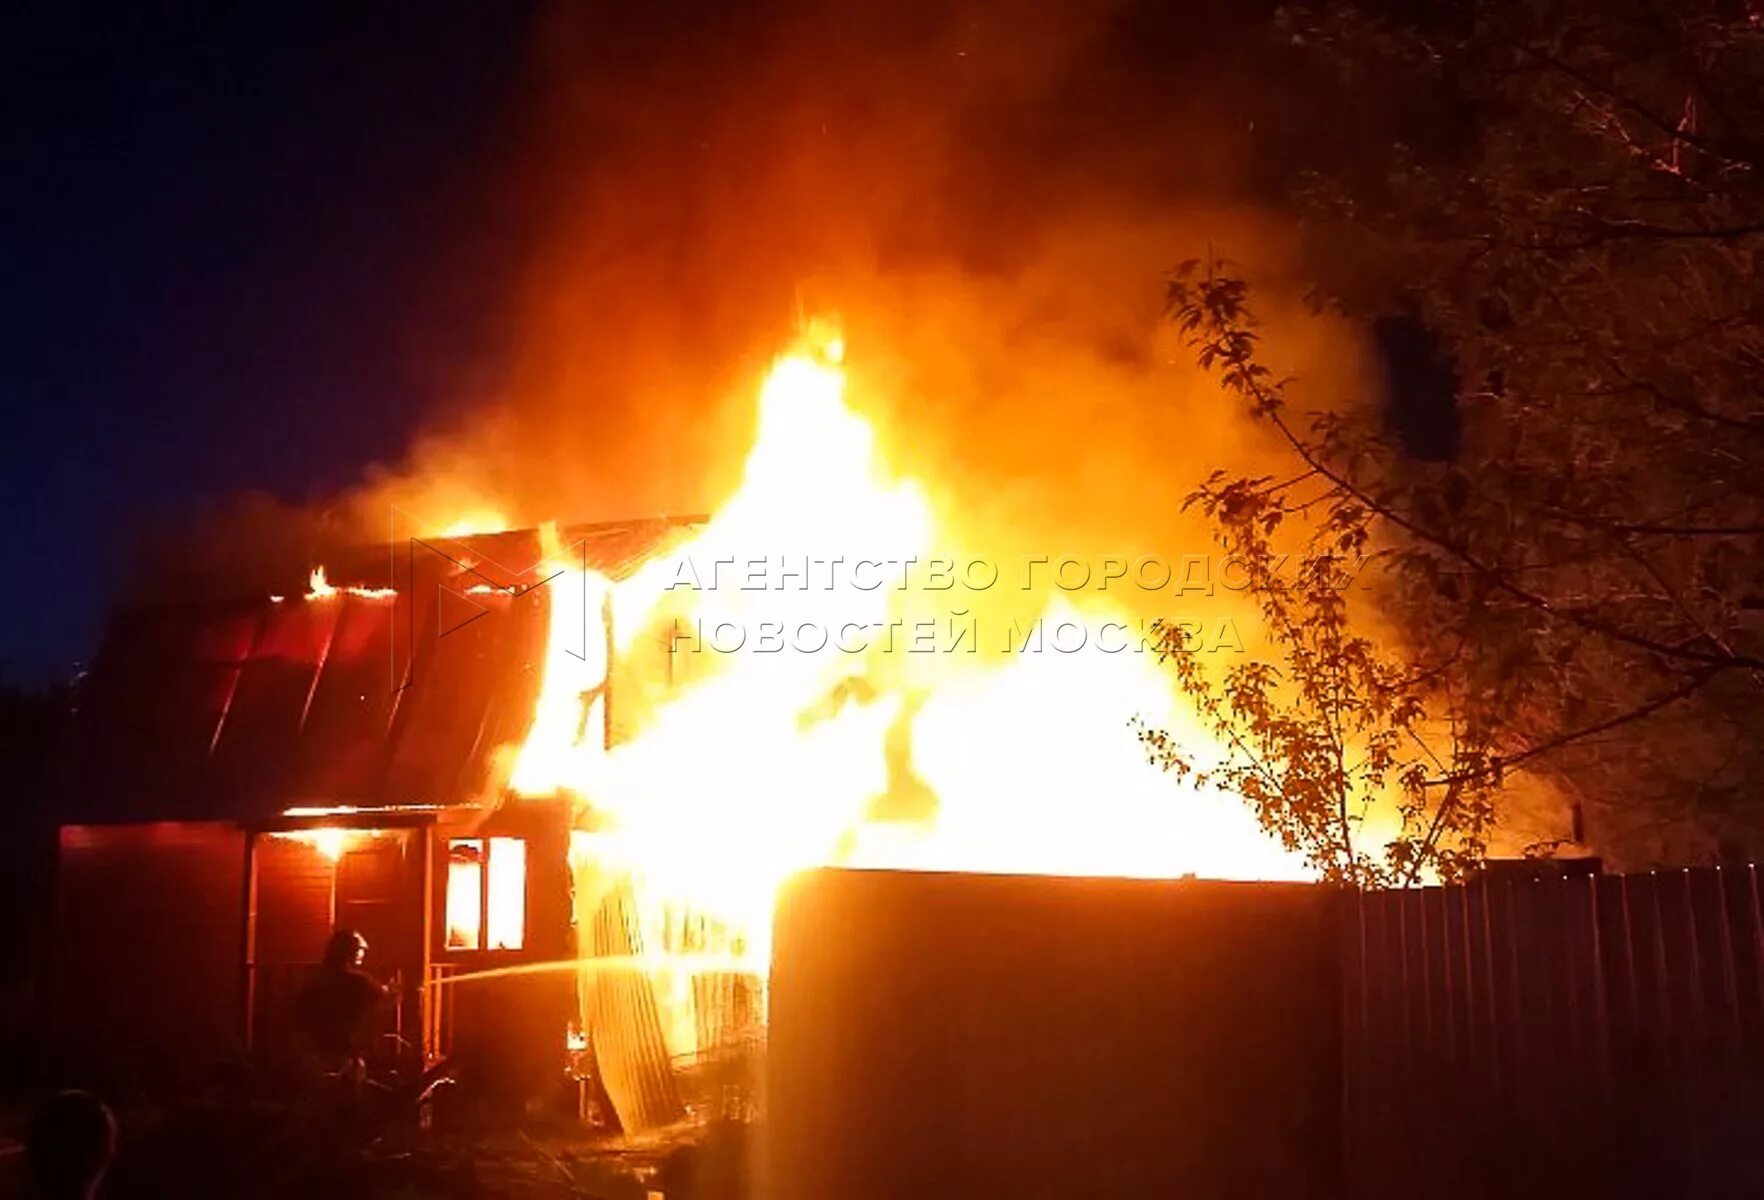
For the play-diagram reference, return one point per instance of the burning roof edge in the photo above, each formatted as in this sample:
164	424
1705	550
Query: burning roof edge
237	706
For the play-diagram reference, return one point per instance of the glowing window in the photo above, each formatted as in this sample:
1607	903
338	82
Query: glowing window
486	893
505	893
465	899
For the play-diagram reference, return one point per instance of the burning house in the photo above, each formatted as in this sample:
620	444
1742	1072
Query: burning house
252	772
547	776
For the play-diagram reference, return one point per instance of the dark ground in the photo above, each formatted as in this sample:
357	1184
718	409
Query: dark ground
264	1151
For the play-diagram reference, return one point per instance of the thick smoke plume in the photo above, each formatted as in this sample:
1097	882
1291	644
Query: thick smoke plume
988	195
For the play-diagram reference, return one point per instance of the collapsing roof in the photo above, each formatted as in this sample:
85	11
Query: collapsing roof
242	708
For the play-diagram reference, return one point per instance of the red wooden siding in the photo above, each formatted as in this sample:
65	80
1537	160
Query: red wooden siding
145	980
374	887
508	1032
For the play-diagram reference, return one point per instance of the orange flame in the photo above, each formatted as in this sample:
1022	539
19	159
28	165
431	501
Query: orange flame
759	765
484	520
329	842
320	588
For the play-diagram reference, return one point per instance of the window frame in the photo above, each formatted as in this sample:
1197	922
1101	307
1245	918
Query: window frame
486	859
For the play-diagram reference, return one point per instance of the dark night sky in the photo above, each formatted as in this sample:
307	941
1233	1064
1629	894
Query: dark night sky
256	248
217	251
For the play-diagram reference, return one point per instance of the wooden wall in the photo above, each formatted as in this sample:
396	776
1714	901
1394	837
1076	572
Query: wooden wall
376	887
145	978
508	1031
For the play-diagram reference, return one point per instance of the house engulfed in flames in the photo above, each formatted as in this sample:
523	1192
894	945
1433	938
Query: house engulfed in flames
558	820
252	773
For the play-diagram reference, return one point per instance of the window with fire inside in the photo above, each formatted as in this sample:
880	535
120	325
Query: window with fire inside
486	893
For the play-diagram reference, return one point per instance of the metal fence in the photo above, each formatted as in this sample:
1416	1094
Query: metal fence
1600	1035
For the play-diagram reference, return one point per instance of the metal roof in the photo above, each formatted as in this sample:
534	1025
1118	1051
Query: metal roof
243	708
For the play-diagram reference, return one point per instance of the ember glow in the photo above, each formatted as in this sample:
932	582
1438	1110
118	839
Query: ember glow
753	766
331	843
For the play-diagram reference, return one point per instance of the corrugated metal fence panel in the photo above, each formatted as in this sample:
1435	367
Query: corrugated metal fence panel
620	1013
972	1035
1598	1035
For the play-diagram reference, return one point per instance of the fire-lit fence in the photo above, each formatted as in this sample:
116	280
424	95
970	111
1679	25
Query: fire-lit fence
1561	1036
950	1035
